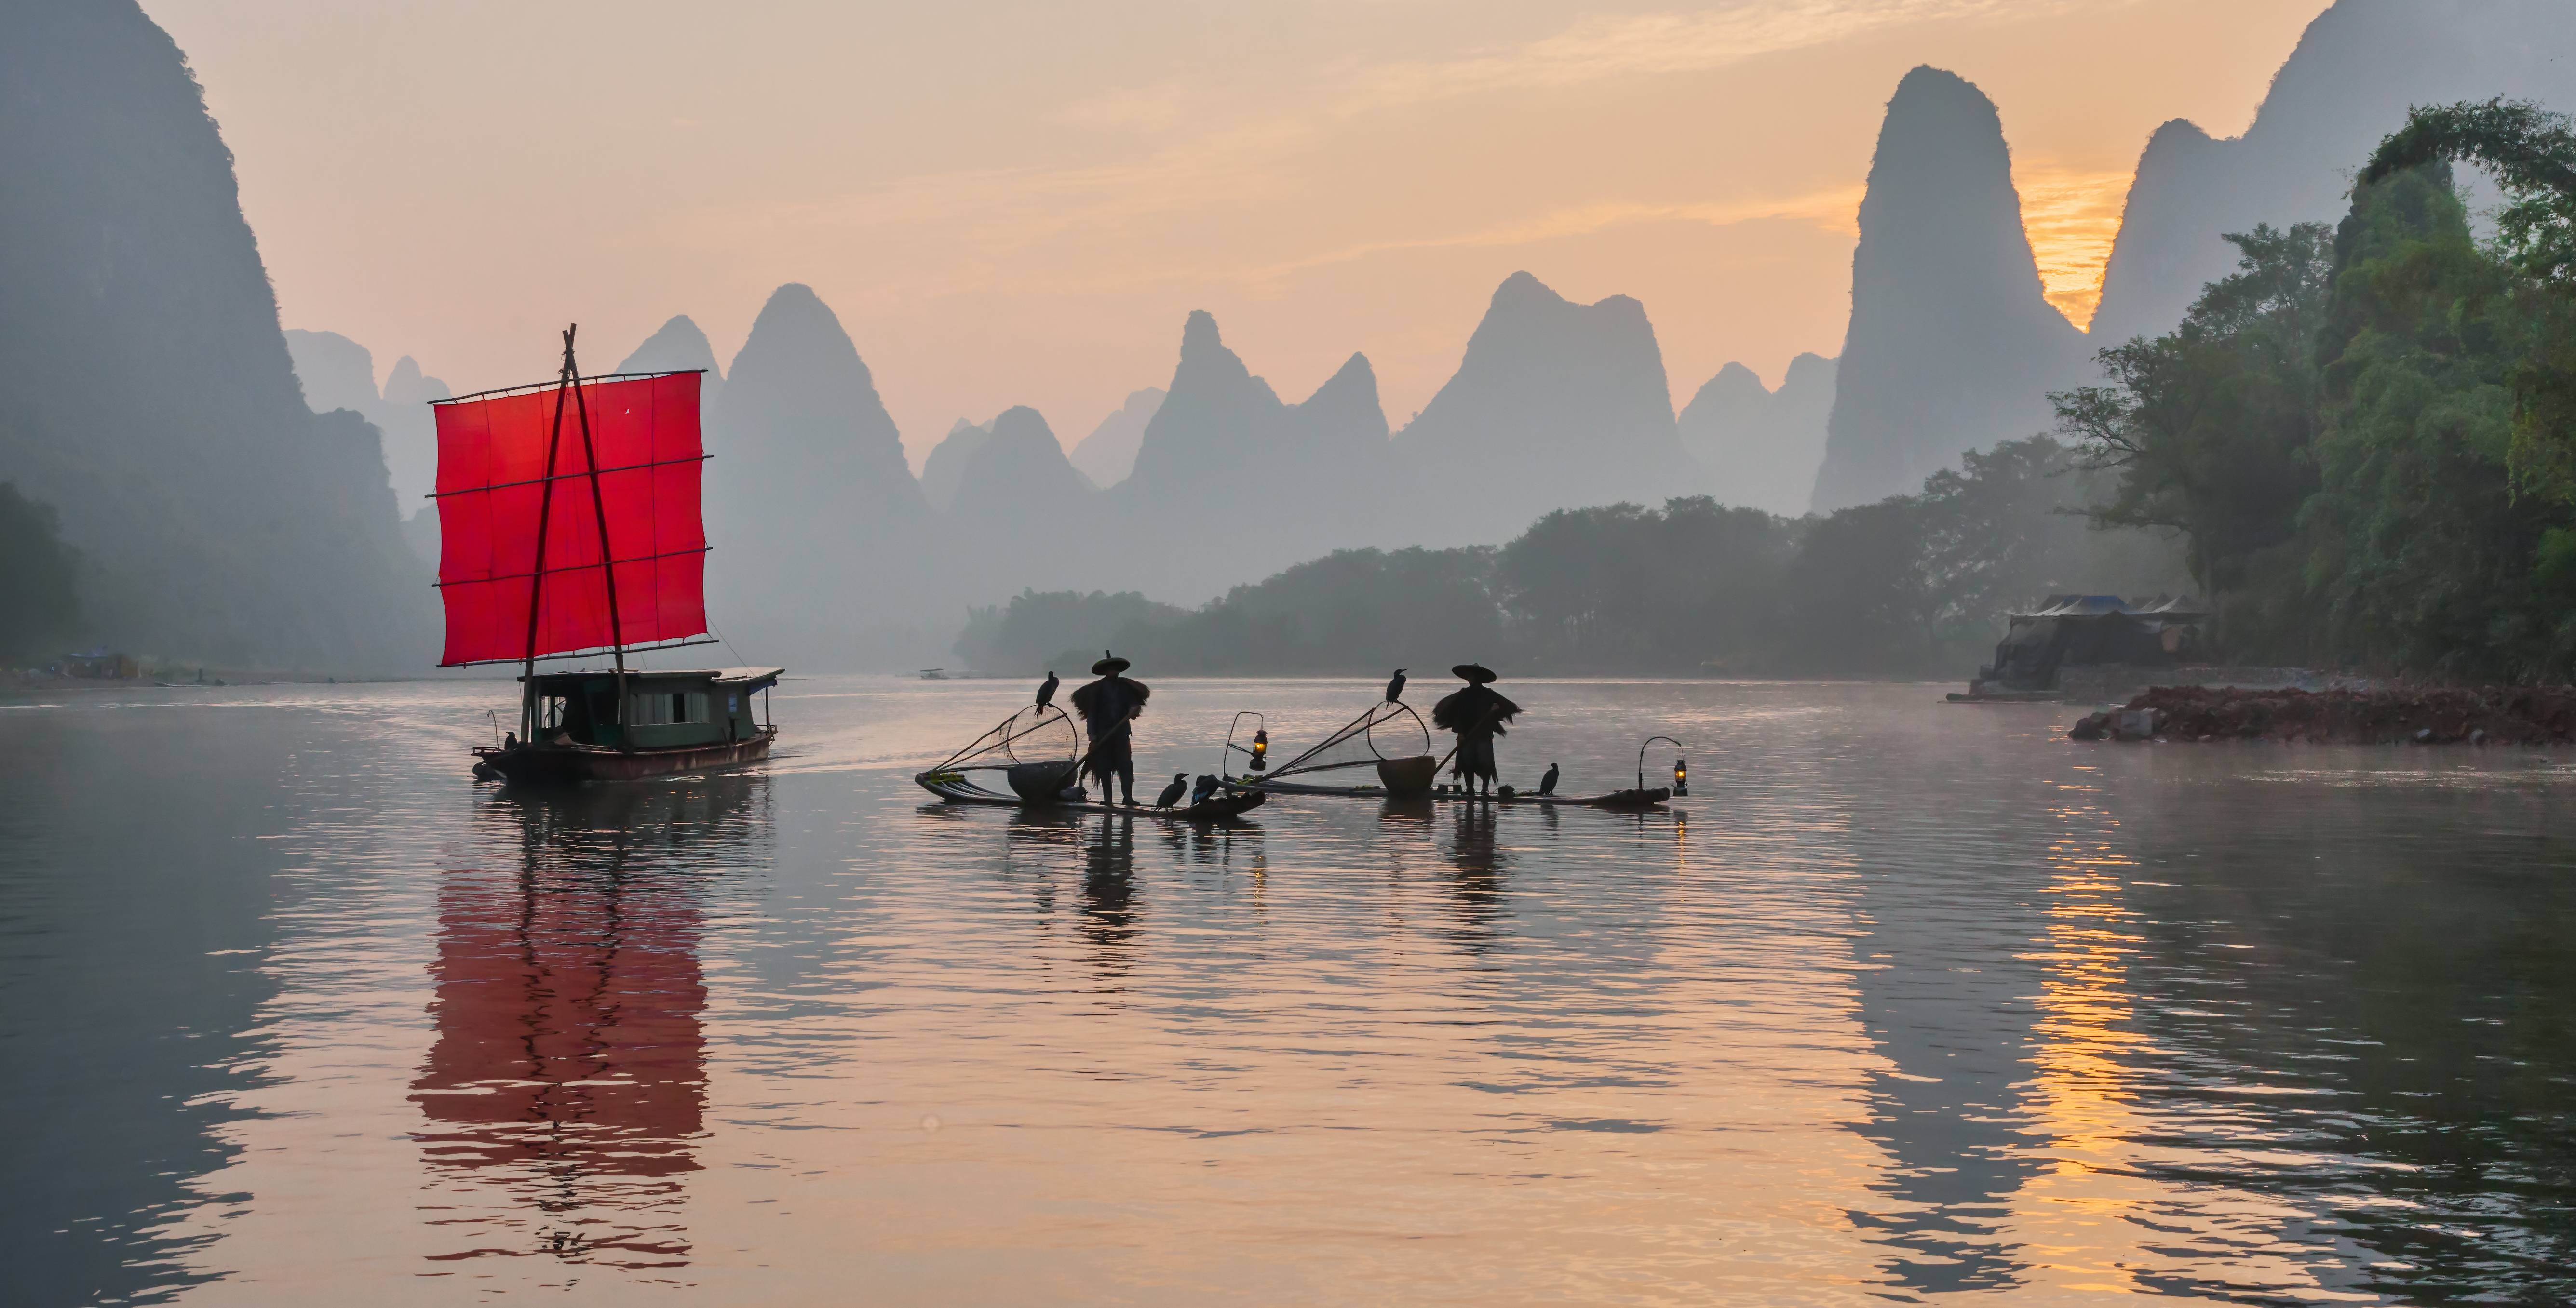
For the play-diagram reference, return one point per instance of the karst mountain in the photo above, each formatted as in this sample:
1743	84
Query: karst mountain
1952	345
1761	447
1555	405
146	391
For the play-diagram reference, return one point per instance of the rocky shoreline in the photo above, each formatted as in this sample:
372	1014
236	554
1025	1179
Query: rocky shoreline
2488	715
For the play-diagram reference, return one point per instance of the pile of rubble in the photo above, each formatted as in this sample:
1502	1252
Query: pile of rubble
2491	715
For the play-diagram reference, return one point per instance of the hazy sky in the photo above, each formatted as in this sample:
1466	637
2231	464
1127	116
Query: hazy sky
1018	203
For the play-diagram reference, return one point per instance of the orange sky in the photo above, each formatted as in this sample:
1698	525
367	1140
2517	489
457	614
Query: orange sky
1018	203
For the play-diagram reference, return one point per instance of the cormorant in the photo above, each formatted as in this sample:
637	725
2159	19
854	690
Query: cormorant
1046	689
1395	688
1172	793
1547	782
1206	787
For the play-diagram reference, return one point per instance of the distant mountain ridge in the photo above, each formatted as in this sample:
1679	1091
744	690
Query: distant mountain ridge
1228	478
1554	405
2357	69
1761	447
339	373
946	464
1108	454
677	346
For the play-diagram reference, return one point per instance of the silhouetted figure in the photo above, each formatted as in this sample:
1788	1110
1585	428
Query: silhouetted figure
1109	709
1395	688
1478	714
1206	788
1172	793
1046	689
1547	782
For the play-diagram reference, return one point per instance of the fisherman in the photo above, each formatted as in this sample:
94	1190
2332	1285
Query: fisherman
1109	709
1478	714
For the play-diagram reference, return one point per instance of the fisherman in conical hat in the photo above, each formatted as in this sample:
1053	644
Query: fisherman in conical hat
1109	709
1478	714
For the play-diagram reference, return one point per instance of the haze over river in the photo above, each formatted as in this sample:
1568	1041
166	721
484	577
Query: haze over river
1906	999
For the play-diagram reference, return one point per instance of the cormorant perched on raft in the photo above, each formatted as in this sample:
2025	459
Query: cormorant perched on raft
1478	714
1395	688
1109	709
1046	689
1547	783
1172	793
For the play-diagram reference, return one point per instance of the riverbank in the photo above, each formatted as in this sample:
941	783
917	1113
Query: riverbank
2487	715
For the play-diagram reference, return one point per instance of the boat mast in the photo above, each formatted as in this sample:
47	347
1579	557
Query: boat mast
599	511
537	571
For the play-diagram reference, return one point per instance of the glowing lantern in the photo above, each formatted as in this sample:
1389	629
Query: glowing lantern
1260	750
1681	776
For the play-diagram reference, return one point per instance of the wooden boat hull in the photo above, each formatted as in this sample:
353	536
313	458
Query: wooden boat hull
566	765
1649	798
956	789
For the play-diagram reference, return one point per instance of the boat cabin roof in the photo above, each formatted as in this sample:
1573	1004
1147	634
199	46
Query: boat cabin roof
729	678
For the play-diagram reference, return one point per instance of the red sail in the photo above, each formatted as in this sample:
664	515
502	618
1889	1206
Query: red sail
492	499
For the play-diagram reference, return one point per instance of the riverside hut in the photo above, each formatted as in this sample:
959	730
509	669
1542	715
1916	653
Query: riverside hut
2090	630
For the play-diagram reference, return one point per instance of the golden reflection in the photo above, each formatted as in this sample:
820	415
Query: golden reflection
2100	1207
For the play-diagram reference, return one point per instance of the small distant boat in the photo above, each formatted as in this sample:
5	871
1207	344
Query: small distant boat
934	674
569	539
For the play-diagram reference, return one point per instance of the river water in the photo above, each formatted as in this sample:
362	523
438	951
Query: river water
1906	1000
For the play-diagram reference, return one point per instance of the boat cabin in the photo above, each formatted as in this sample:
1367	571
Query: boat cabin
662	710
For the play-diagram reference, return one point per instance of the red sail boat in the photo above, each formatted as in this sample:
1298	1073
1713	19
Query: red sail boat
570	525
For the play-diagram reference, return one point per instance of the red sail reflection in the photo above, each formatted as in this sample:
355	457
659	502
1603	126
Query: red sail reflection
569	1070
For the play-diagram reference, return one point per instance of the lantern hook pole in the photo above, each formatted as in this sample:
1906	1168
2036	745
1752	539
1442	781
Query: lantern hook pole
1641	756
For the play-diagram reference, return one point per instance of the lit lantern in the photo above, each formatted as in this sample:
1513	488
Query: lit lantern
1260	750
1681	776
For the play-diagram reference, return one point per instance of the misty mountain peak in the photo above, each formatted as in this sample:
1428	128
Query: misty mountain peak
406	385
1761	447
1108	454
1214	412
1351	387
335	372
946	466
1201	342
1020	471
1343	419
809	487
677	345
1556	405
1952	345
1733	384
2358	67
1523	287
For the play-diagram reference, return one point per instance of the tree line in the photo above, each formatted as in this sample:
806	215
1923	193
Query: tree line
1914	585
2366	436
39	601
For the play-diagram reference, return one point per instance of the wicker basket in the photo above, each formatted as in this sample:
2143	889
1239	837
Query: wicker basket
1408	776
1040	783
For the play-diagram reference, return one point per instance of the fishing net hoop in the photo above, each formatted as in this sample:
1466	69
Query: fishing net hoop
1390	730
1032	735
